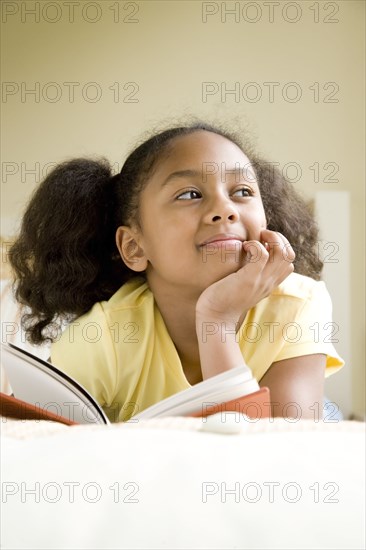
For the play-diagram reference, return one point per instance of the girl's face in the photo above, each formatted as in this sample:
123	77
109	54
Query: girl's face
200	204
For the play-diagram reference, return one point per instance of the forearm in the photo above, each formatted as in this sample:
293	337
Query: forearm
218	345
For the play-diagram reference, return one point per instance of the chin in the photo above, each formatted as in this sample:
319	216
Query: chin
222	271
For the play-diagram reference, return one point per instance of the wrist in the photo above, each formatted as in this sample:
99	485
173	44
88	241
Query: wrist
210	316
216	329
225	321
217	334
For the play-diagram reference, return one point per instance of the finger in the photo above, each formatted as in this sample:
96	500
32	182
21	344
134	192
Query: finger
288	252
255	253
277	245
281	256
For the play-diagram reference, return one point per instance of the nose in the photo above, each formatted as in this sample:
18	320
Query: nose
221	209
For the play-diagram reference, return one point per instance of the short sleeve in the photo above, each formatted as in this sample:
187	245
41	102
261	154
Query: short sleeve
313	331
86	353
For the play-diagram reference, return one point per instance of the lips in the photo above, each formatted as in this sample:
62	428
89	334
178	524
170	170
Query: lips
222	237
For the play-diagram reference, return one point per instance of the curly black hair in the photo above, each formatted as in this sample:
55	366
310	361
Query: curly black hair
65	258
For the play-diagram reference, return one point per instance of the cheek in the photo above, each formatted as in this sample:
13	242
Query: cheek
255	222
261	217
160	239
257	219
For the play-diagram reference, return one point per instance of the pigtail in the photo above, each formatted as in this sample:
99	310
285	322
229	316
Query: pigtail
65	258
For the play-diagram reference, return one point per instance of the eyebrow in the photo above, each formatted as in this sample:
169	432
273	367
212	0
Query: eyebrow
200	173
181	174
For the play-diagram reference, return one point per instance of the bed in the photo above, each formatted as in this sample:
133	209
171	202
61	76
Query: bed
184	483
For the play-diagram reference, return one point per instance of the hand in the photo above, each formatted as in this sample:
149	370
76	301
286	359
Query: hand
266	265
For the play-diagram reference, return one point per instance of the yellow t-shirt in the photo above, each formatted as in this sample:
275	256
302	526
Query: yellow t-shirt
121	352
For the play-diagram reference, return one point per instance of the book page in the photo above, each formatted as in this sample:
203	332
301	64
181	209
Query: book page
218	389
40	383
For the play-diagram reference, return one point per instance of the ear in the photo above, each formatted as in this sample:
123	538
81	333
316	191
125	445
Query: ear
129	248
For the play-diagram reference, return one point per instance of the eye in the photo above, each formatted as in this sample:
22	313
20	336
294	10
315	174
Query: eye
243	192
189	195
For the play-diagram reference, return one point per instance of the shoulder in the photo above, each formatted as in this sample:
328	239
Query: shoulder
300	287
294	320
89	349
297	297
103	322
132	296
312	297
134	293
300	293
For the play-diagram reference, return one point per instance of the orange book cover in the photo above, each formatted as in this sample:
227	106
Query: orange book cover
11	407
255	405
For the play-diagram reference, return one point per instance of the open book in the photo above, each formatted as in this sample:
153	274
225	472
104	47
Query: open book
43	385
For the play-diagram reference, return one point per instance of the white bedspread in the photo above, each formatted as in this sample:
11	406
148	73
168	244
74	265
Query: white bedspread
168	484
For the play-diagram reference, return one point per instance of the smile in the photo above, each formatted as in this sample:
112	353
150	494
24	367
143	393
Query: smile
222	239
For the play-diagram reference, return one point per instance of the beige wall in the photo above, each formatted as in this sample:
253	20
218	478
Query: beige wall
168	50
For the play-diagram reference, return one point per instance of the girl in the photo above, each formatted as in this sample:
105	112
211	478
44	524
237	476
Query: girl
174	270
